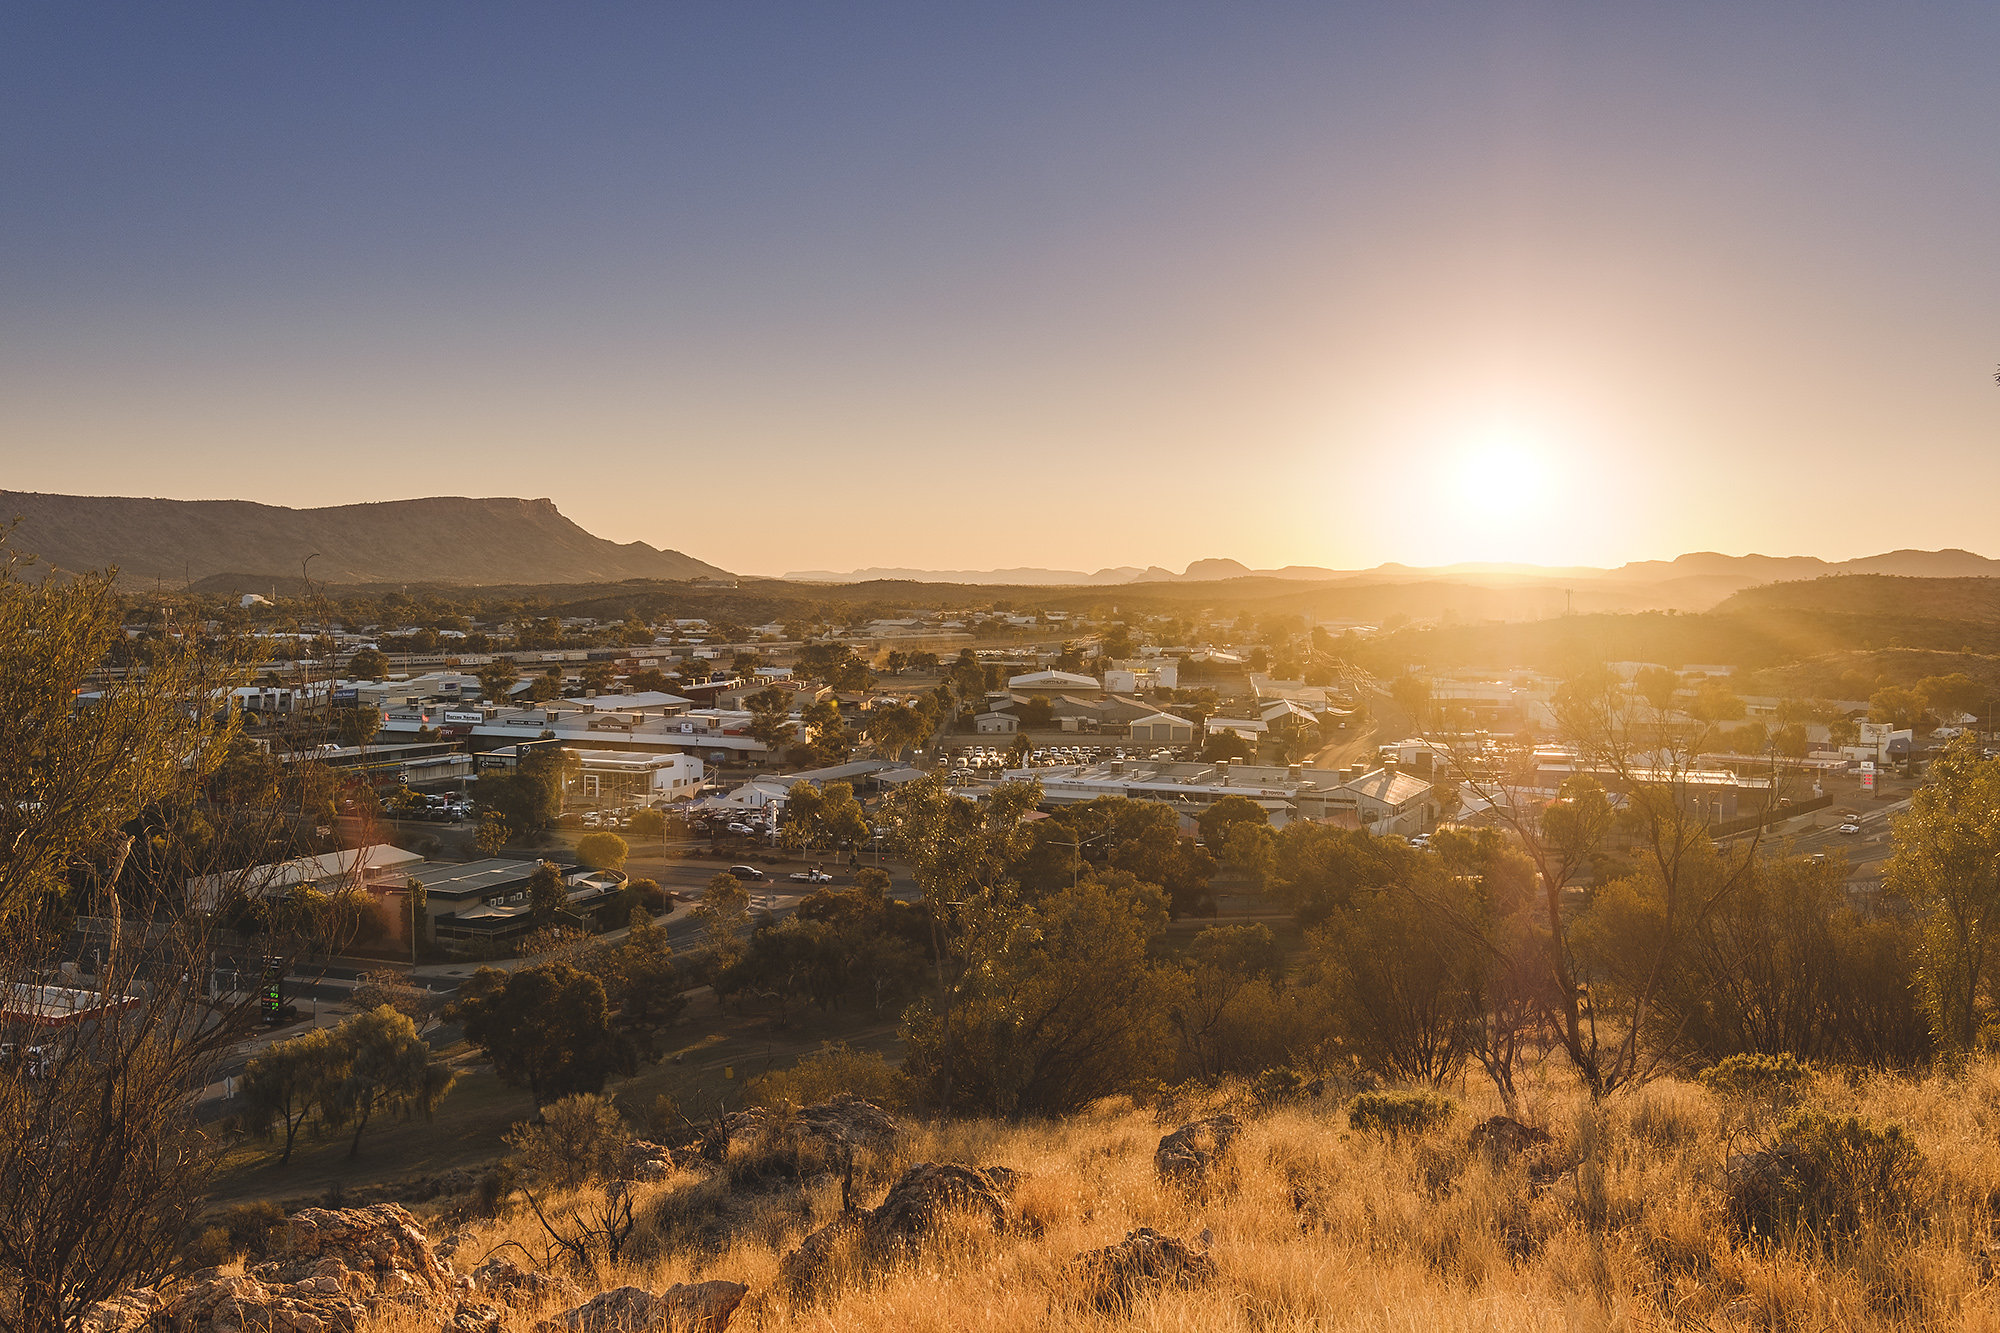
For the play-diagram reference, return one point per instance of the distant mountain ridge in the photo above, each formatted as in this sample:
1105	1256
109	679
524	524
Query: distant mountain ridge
1713	571
443	539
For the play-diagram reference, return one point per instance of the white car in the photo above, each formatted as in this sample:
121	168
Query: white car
1850	827
811	877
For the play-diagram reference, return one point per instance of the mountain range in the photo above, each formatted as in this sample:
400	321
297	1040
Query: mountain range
505	541
1743	570
444	539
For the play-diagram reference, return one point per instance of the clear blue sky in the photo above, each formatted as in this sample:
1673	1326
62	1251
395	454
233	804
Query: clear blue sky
819	286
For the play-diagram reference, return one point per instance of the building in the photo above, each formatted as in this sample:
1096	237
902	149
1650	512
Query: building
488	900
374	866
996	724
627	777
1163	729
1054	682
1381	801
1131	677
713	734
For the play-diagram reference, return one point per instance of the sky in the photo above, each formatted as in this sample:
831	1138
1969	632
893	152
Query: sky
970	285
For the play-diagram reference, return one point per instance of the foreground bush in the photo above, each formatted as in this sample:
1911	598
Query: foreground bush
1826	1176
1770	1078
1399	1112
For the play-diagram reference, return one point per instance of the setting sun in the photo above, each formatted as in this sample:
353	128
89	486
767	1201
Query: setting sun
1501	495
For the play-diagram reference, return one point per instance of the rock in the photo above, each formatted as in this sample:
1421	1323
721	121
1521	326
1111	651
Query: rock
803	1270
379	1251
125	1313
239	1303
915	1204
474	1316
1190	1153
449	1247
736	1131
926	1193
699	1307
646	1161
845	1122
1503	1138
1145	1261
506	1281
702	1307
849	1121
620	1310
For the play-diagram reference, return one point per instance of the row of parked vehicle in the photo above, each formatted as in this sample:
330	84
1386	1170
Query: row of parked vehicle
434	809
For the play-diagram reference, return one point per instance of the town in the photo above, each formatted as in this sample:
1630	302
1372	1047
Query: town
1015	668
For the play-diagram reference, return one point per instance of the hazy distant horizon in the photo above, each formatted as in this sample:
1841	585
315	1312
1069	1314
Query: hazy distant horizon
787	287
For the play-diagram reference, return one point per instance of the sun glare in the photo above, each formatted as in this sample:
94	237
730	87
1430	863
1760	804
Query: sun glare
1502	494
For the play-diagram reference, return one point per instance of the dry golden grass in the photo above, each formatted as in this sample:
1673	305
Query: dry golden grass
1316	1227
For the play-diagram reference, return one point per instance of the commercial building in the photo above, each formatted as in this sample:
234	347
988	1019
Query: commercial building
1381	800
626	777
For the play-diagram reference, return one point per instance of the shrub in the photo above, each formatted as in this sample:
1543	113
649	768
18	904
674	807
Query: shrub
832	1070
1285	1084
1825	1175
602	851
648	894
491	1190
236	1232
1769	1078
1399	1112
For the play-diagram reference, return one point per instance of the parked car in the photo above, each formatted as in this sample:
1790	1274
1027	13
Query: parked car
749	874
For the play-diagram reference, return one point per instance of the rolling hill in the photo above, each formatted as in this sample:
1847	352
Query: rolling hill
445	539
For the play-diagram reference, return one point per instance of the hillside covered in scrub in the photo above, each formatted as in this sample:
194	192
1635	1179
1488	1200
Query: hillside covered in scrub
1764	1196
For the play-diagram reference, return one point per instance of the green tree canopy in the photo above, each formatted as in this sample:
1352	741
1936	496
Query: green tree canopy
546	1029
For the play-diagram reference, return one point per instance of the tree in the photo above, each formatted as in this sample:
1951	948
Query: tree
642	979
497	677
723	913
1062	1004
571	1160
771	717
962	854
831	741
1215	822
1946	863
1954	695
291	1081
492	833
1397	982
1412	694
546	1029
1222	962
529	798
368	664
548	895
648	823
1786	966
1715	703
823	818
389	1067
1226	745
393	988
108	816
894	728
602	851
1897	706
1657	686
